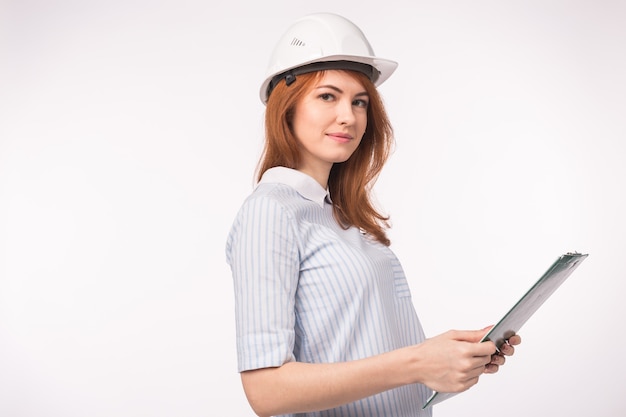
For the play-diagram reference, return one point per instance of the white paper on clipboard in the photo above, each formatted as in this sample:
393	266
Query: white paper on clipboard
525	308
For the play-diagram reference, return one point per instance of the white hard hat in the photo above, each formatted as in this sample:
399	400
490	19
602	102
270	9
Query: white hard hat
323	41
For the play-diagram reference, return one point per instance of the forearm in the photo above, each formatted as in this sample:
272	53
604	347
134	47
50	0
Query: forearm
450	362
301	387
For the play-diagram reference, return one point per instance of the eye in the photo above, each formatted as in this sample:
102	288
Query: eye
360	103
326	97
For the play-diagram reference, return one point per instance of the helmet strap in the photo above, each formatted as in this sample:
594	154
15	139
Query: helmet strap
290	75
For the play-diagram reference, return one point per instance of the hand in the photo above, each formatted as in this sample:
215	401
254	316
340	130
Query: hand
453	361
507	349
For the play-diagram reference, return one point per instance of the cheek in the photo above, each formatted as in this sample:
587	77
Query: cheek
357	143
363	127
298	127
302	123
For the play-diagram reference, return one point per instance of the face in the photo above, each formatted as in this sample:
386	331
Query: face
329	122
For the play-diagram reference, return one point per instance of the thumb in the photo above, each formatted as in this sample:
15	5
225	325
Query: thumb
472	336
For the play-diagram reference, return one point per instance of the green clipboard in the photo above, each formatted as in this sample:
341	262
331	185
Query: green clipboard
512	321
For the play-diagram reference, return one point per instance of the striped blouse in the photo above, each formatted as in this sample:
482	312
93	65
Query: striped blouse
308	290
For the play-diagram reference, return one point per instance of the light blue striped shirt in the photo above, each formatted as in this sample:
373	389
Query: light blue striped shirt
307	290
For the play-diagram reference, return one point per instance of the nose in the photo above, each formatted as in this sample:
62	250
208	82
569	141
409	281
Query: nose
345	113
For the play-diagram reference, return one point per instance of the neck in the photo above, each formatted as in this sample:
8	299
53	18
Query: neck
320	174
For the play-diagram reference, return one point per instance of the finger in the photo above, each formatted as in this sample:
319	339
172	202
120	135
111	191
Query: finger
477	371
515	340
472	336
492	368
470	382
507	349
480	362
485	348
497	360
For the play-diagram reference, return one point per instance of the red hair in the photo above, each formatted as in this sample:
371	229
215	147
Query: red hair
350	183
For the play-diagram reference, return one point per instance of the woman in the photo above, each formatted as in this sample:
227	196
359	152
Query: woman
325	321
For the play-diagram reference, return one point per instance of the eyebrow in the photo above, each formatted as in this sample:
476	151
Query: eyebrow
339	90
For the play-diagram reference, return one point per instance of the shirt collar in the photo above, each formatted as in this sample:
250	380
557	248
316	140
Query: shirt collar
305	185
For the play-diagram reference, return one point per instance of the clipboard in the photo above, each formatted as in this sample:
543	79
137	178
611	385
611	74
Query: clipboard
515	318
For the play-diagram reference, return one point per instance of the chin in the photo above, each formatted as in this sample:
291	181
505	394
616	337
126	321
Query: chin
342	158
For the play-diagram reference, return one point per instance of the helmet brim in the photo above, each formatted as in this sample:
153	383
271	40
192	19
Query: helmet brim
384	68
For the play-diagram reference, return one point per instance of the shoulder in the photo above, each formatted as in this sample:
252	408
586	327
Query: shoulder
269	205
273	197
270	212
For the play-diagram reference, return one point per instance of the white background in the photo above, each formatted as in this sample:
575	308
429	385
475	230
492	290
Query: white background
129	133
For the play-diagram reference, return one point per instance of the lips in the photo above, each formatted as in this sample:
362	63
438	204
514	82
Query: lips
340	137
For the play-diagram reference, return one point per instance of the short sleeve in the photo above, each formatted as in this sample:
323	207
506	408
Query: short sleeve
262	252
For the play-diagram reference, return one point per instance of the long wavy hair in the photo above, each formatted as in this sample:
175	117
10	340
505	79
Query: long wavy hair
350	183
